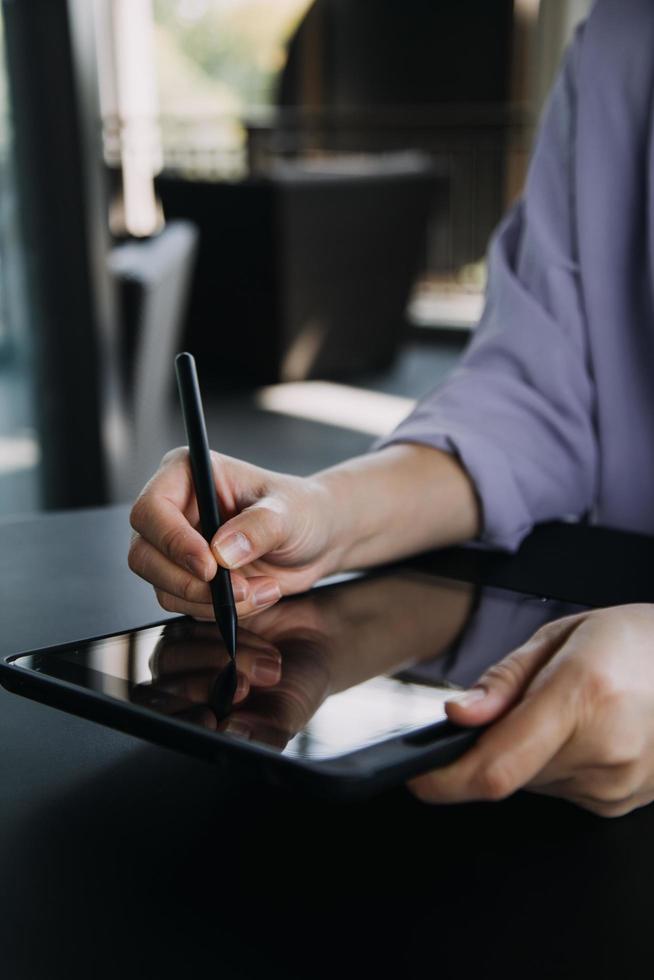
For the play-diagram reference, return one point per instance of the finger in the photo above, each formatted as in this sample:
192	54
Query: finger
263	593
163	702
172	700
200	715
173	479
201	611
162	522
261	666
503	684
611	783
288	620
163	574
195	650
615	807
256	531
510	753
287	707
195	687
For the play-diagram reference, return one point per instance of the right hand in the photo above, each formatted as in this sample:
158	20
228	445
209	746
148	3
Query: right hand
276	538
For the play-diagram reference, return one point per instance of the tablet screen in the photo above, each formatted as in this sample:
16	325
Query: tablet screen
320	675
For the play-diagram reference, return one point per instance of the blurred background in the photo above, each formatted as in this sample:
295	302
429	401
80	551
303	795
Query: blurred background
300	192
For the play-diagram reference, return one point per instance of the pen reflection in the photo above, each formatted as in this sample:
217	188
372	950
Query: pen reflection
221	697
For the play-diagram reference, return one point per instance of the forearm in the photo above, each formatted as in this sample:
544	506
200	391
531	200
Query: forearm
399	501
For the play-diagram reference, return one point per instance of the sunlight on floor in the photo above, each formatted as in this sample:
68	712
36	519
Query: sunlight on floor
371	412
18	453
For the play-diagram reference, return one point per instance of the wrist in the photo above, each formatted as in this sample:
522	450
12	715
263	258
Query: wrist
339	489
397	501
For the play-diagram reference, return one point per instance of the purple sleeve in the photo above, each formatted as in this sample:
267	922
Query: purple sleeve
518	410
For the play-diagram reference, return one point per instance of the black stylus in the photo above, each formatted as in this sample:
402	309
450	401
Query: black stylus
222	596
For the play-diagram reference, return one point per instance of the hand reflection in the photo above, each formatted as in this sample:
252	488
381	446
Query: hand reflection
189	659
328	640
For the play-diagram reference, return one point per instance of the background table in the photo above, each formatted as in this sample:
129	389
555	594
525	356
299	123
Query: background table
118	858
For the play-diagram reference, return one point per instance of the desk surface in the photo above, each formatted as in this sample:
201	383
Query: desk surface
119	858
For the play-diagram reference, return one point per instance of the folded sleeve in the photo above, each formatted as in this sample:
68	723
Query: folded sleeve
518	410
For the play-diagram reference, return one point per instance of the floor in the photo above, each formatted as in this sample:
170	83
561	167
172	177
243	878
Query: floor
238	424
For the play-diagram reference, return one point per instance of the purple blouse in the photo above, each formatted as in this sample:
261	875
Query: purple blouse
551	409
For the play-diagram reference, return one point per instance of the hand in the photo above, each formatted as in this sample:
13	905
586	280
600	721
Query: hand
282	533
336	638
572	713
190	652
272	700
276	536
186	663
309	649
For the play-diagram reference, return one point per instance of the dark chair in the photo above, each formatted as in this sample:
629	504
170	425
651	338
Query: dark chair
305	273
153	278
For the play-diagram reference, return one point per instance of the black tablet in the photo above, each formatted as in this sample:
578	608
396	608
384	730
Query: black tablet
341	689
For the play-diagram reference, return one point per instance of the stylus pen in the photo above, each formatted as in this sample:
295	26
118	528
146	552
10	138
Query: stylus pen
222	596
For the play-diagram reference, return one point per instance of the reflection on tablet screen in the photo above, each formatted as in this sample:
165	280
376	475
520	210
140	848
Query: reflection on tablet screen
356	662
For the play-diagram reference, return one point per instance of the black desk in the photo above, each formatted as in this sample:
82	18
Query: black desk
121	859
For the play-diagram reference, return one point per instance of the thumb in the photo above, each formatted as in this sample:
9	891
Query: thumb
503	684
253	533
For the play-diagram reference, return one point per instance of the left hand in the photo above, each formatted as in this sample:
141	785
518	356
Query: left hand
571	713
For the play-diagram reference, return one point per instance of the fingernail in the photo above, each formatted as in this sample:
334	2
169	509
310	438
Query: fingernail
266	594
471	697
196	567
240	591
265	670
237	728
234	550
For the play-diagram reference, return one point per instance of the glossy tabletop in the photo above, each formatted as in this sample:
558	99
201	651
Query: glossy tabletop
119	858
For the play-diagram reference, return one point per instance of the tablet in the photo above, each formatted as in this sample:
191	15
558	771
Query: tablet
340	690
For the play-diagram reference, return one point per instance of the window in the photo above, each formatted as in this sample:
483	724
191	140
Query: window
218	62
